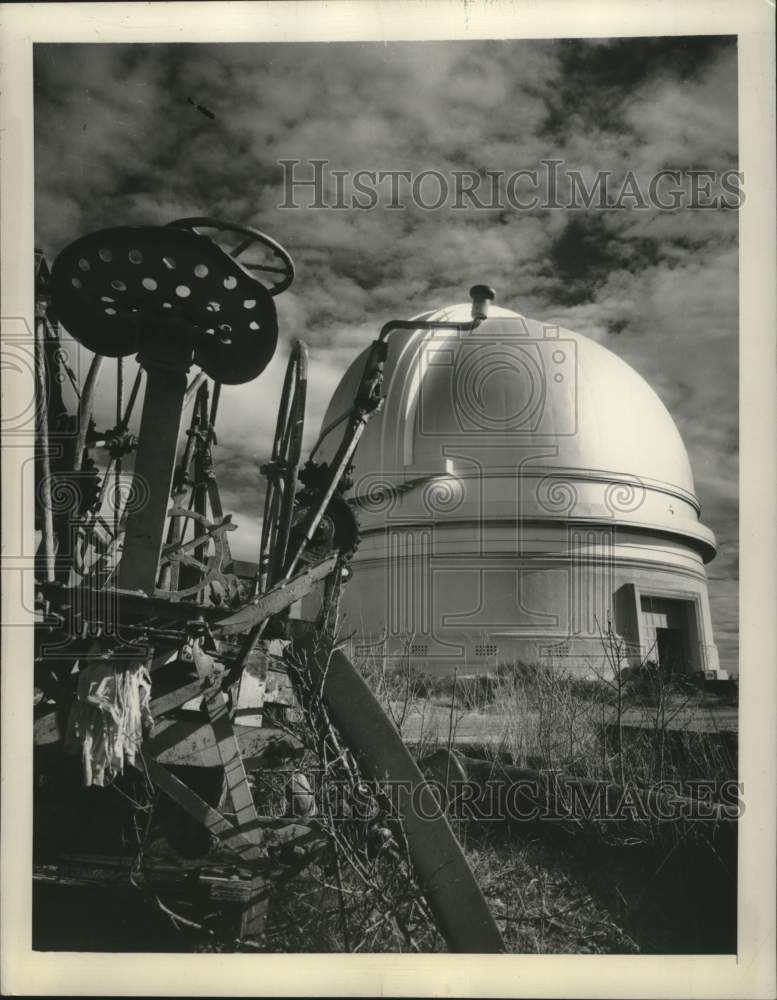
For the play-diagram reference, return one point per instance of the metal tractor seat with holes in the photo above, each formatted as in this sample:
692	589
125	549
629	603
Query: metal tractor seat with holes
117	289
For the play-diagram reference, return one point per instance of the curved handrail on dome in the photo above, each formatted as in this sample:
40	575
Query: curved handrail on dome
367	401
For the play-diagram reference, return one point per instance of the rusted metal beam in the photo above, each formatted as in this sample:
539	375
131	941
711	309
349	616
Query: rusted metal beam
154	467
242	843
175	699
255	908
231	758
132	605
184	880
169	573
129	605
192	742
277	599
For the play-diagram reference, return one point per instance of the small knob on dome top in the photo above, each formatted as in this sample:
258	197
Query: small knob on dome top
481	295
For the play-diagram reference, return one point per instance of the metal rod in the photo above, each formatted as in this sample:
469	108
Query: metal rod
47	530
118	467
124	423
415	324
214	406
292	453
243	245
85	407
265	267
168	574
116	505
119	389
333	484
199	491
328	430
70	373
193	387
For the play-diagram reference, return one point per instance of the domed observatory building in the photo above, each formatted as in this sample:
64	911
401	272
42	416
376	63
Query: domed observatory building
521	488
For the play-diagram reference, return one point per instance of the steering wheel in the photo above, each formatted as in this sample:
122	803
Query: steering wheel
219	231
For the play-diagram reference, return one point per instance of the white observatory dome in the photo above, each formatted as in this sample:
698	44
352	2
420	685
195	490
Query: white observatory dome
521	487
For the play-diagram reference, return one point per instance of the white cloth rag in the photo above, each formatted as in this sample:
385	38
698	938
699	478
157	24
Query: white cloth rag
107	721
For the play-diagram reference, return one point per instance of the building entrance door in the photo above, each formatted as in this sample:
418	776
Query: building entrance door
669	633
669	643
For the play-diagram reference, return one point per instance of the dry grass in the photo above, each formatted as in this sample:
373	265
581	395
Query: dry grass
546	716
562	889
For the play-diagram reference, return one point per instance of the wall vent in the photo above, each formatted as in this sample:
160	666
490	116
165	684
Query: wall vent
486	649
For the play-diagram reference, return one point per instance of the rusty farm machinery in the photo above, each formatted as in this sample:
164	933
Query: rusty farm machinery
168	673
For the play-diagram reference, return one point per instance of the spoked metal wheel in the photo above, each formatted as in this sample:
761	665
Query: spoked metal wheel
208	568
282	470
224	233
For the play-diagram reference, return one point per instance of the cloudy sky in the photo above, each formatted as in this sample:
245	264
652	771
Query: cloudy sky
118	143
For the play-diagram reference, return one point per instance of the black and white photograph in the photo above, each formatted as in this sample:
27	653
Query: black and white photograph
373	495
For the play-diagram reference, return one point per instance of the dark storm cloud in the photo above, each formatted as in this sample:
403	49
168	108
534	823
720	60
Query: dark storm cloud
588	250
599	76
118	141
